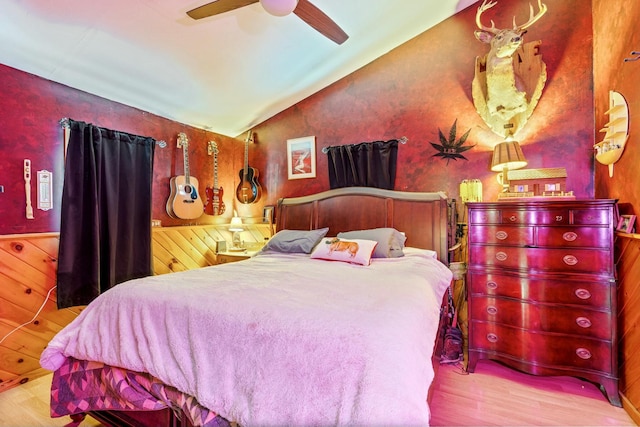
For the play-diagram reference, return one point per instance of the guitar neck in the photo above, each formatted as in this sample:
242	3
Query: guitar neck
246	156
215	171
212	150
185	154
184	142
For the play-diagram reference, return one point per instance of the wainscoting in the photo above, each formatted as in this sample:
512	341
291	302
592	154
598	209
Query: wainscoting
628	266
28	265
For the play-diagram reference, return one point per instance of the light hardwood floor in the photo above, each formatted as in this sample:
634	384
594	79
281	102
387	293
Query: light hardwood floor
492	396
495	395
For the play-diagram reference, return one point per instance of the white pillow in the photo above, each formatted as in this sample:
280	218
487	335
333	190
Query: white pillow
355	251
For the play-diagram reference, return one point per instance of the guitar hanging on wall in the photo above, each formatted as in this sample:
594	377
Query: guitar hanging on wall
184	201
249	189
214	204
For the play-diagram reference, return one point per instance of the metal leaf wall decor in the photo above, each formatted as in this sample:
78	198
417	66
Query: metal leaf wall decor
450	148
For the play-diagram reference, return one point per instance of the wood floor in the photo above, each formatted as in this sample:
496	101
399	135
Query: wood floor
492	396
498	396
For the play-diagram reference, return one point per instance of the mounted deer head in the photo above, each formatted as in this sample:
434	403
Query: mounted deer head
505	91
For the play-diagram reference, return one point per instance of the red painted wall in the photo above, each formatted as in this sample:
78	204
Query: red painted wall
30	111
412	91
615	36
425	85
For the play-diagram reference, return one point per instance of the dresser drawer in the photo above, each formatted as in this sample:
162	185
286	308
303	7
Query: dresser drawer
505	235
532	216
544	318
566	351
592	216
593	237
574	260
548	290
518	216
485	216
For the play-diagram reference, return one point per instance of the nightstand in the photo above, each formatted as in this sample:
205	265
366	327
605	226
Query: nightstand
233	256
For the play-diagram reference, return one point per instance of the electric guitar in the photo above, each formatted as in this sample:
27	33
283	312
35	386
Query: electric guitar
184	201
214	204
249	189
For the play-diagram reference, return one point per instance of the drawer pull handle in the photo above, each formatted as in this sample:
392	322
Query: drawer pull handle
501	256
559	218
492	337
583	293
513	218
492	285
501	235
583	322
583	353
492	310
569	236
570	259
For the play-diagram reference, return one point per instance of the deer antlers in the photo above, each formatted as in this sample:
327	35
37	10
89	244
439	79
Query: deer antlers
533	18
483	7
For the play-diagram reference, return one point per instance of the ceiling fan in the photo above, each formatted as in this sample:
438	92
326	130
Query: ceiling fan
302	8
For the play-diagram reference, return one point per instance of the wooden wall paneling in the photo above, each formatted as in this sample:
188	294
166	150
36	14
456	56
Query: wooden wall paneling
28	265
177	259
192	251
163	261
259	233
27	272
628	267
208	236
206	250
187	247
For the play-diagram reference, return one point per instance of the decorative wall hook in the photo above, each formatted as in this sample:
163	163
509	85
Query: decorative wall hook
635	56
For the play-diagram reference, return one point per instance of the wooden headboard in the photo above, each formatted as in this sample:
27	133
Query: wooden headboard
423	217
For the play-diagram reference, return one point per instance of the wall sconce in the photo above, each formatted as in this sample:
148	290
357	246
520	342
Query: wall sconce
236	227
507	156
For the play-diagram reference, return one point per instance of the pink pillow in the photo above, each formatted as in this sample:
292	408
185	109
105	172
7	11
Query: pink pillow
354	251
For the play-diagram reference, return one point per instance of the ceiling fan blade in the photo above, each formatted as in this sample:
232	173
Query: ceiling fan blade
321	22
217	7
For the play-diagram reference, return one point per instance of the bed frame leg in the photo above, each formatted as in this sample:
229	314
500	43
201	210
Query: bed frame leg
76	419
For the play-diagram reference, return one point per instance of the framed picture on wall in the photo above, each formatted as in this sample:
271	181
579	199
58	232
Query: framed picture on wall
301	157
625	224
267	214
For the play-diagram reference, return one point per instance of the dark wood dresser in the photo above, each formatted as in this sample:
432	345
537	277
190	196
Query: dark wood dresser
542	288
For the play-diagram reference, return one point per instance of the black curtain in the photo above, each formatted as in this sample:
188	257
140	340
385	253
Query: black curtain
368	164
105	231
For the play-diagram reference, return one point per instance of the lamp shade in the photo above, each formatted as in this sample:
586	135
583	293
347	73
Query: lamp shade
236	224
507	155
279	7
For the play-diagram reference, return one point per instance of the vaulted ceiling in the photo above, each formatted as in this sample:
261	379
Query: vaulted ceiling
223	73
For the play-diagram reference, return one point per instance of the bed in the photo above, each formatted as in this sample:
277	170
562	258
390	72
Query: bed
311	331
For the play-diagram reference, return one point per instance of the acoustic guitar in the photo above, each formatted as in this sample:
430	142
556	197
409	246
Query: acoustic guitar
214	204
249	189
184	201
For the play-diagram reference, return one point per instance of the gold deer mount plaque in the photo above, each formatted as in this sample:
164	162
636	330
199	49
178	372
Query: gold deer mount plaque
530	77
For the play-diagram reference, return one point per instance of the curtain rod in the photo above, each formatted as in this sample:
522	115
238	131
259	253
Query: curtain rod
401	140
64	122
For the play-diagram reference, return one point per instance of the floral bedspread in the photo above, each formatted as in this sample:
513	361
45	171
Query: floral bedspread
80	386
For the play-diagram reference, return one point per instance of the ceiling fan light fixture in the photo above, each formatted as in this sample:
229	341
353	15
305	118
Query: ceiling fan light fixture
279	7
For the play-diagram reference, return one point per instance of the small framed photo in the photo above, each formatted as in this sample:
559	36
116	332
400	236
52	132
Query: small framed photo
626	223
301	157
267	214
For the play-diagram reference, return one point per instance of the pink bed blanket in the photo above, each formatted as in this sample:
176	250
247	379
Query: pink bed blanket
277	339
